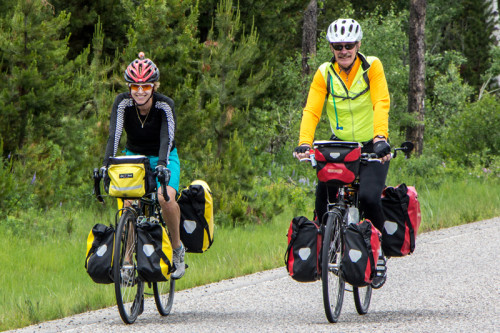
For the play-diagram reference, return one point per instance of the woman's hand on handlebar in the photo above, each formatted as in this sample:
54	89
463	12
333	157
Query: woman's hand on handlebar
301	152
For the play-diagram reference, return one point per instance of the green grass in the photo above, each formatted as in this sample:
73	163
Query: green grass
458	203
43	275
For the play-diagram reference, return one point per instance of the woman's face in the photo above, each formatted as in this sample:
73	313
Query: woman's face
141	92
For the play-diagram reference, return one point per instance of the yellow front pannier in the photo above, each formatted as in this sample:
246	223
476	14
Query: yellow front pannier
129	177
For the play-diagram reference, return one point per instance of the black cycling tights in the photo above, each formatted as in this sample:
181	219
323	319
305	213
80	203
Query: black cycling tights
372	178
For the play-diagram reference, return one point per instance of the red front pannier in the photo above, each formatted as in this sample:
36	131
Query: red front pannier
338	161
361	252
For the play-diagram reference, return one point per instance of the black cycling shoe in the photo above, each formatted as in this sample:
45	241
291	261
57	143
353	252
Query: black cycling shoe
380	274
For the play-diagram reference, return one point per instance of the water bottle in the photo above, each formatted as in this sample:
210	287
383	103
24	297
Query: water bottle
353	216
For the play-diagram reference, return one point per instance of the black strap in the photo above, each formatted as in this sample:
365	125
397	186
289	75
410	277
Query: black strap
91	251
404	207
290	244
402	194
364	65
200	213
367	238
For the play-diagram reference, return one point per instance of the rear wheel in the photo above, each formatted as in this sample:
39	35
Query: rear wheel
129	288
362	298
164	296
331	254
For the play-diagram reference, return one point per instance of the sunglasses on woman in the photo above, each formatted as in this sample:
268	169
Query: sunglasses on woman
145	87
339	47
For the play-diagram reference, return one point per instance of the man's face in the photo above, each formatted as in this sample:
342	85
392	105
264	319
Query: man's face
345	53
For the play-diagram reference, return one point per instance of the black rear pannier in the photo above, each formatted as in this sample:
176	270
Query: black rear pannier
197	217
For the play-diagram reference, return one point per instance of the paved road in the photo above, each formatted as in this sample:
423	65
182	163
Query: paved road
450	284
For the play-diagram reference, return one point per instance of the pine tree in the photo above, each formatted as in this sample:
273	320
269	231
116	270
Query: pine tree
230	82
166	32
41	94
41	86
465	28
85	15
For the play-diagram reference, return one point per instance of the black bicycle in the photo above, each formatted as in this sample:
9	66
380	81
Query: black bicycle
333	225
129	286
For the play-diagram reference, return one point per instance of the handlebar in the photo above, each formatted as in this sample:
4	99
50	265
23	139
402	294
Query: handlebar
406	148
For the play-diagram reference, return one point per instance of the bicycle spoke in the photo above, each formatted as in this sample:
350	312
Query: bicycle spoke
129	288
333	284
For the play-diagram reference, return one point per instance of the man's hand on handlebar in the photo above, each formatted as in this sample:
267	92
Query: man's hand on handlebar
382	149
301	152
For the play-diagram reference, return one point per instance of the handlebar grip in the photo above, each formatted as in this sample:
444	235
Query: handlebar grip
97	187
164	179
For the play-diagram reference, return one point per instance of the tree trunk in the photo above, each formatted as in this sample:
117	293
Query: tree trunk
496	31
309	34
416	94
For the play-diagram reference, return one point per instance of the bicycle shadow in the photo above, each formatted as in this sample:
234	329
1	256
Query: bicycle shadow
398	316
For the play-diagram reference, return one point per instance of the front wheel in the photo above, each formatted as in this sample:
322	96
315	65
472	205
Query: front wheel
362	298
331	254
129	288
164	296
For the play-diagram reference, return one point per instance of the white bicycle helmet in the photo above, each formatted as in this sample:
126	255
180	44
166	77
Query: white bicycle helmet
344	30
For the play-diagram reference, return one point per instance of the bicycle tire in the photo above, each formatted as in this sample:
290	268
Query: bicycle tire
362	298
164	296
129	292
331	254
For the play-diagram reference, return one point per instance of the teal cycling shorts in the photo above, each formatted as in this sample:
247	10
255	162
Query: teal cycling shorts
173	165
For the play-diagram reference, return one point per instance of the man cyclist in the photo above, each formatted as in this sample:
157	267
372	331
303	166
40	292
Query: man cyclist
149	119
358	109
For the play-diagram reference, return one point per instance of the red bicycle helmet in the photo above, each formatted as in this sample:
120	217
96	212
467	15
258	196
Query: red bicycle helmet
142	70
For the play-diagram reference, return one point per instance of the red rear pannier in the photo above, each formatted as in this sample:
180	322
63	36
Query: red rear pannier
338	161
402	219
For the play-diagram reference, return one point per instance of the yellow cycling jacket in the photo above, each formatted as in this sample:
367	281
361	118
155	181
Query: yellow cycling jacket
357	105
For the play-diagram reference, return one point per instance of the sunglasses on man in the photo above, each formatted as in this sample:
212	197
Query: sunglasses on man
146	87
339	47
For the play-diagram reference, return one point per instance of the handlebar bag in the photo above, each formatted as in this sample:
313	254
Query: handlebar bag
197	217
100	247
402	220
154	252
361	250
129	177
338	164
302	253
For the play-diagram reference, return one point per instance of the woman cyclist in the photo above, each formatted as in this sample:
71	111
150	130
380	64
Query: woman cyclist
358	110
149	120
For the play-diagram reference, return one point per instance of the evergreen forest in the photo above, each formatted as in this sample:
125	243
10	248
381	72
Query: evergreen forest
234	70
